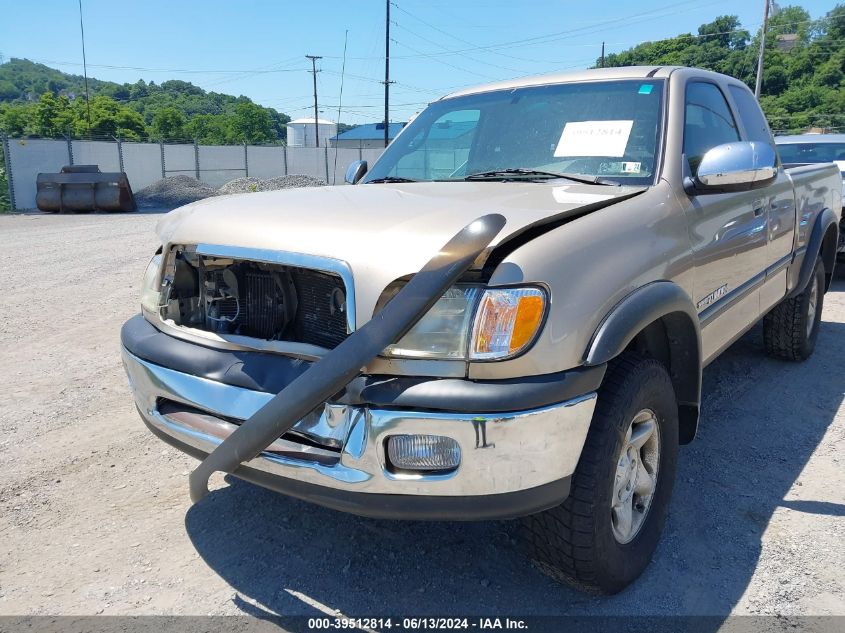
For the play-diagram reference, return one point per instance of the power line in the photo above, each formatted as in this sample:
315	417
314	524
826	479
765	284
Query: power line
340	98
474	59
85	66
551	37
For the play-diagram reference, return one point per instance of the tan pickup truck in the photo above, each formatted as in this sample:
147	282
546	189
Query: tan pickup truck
507	315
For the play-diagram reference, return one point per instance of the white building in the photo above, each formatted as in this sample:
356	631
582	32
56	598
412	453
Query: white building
301	132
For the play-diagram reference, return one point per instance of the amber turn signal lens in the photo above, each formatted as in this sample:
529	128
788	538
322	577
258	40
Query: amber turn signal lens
507	320
529	313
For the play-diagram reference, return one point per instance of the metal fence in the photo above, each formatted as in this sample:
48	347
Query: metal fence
145	163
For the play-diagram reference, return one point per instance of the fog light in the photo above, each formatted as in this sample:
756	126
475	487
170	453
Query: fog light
423	452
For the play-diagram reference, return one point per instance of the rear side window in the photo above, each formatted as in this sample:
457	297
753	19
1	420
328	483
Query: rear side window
708	121
751	116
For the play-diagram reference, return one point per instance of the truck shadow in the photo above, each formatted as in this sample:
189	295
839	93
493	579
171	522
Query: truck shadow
287	557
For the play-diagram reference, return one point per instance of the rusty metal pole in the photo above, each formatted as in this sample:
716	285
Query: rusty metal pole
119	151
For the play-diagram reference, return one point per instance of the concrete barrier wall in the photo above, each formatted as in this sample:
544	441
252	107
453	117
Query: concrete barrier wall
27	159
143	164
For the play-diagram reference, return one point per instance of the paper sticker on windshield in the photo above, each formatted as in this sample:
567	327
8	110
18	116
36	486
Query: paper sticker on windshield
594	138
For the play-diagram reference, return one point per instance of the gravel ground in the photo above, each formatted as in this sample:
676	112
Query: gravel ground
95	516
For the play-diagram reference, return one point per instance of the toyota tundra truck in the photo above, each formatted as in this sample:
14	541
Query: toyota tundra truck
506	315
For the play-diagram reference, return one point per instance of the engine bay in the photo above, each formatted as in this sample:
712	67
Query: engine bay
256	299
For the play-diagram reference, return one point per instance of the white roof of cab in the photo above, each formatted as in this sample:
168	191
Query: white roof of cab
621	72
810	137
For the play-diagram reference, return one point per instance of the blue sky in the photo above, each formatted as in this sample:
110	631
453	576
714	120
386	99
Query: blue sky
257	48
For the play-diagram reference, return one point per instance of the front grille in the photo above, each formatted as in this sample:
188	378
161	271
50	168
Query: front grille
275	303
264	310
321	315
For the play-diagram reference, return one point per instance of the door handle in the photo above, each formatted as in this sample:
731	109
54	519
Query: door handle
760	205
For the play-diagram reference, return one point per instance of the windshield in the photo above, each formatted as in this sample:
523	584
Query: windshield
606	129
792	153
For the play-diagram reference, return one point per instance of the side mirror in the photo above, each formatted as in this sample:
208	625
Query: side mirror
356	171
731	167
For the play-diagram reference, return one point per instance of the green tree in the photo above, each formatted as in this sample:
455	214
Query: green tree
22	82
5	203
16	120
725	31
803	85
168	123
53	116
108	119
251	123
8	90
210	129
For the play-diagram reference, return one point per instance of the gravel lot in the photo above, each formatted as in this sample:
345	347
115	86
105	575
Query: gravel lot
95	516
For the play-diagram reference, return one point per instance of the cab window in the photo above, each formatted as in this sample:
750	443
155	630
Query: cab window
708	121
756	128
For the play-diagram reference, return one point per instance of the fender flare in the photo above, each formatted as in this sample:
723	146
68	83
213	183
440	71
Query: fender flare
658	301
821	225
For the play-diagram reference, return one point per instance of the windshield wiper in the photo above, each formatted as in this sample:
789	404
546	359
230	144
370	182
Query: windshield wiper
506	174
391	179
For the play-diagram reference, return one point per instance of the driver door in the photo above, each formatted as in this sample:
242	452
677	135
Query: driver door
727	231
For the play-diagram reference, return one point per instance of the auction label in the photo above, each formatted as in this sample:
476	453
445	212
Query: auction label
594	138
422	623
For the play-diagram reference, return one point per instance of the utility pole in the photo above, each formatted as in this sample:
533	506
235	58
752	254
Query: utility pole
759	85
387	74
602	55
85	67
314	72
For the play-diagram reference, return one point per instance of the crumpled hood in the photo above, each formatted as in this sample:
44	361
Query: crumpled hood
382	231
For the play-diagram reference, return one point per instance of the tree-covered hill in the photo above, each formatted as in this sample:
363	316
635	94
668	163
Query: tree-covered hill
803	71
36	100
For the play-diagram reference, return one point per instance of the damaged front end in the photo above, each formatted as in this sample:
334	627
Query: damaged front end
284	302
251	361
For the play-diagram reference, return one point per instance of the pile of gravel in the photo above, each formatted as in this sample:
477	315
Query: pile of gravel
252	185
241	185
174	191
290	181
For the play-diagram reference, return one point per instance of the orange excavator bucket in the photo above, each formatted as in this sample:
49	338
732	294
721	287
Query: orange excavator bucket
84	188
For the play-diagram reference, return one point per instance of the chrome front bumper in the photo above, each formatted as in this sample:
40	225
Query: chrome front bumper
523	450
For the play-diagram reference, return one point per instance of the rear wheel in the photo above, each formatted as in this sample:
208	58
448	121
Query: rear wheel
790	330
603	536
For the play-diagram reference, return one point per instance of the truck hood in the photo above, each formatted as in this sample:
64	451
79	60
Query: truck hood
382	231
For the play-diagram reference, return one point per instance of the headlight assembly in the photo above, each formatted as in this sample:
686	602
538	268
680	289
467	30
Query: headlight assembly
150	288
473	323
442	332
506	322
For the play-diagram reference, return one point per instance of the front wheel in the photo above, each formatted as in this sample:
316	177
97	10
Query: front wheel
603	536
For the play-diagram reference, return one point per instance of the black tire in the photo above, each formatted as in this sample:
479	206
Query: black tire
574	542
790	330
